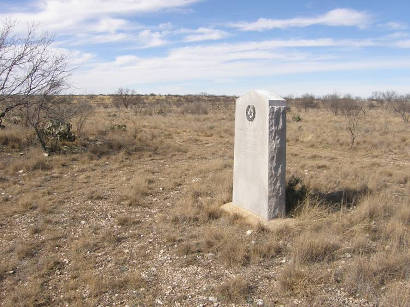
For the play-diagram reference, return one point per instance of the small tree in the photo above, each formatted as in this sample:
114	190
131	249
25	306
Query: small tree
83	110
28	69
124	97
31	75
332	103
353	113
306	102
401	106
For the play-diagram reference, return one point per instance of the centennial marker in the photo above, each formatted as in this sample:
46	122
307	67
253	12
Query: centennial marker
260	154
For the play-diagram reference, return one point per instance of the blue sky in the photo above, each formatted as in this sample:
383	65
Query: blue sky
227	46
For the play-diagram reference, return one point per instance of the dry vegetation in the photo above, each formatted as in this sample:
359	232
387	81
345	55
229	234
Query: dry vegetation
128	213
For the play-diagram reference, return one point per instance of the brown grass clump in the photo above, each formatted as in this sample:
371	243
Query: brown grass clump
229	246
236	290
100	284
26	249
28	202
314	247
195	108
134	194
35	161
233	246
16	138
366	275
126	220
397	295
293	279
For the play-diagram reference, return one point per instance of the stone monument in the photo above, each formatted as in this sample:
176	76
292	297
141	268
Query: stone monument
260	154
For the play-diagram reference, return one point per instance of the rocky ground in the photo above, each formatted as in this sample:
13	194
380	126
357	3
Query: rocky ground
143	227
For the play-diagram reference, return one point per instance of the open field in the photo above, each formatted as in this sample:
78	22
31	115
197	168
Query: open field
129	214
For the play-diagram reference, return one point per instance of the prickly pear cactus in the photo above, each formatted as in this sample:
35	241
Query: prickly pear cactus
59	130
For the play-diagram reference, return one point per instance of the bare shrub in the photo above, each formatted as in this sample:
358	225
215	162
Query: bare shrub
384	97
27	69
31	75
401	106
83	112
346	105
332	103
124	97
306	102
354	113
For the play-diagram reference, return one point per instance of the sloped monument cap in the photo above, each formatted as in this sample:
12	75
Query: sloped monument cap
263	95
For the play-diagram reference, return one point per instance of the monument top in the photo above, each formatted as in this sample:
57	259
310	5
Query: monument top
263	95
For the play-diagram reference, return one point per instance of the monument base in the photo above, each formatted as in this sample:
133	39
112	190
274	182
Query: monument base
253	219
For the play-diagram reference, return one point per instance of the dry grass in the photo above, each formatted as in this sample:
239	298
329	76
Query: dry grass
293	280
236	290
16	138
138	188
131	213
311	247
366	275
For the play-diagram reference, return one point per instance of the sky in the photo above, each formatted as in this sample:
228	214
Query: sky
226	46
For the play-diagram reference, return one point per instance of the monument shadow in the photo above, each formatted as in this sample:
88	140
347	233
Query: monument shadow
297	192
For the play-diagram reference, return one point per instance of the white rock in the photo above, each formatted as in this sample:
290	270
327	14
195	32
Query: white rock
213	299
249	232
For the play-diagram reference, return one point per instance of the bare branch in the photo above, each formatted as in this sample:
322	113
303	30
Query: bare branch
28	68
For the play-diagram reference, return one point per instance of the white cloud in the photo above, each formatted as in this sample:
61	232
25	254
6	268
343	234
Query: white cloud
398	35
336	17
74	58
396	26
110	25
125	60
203	34
227	61
149	38
86	38
403	44
88	16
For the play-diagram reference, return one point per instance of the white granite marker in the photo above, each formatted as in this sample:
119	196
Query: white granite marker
260	154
